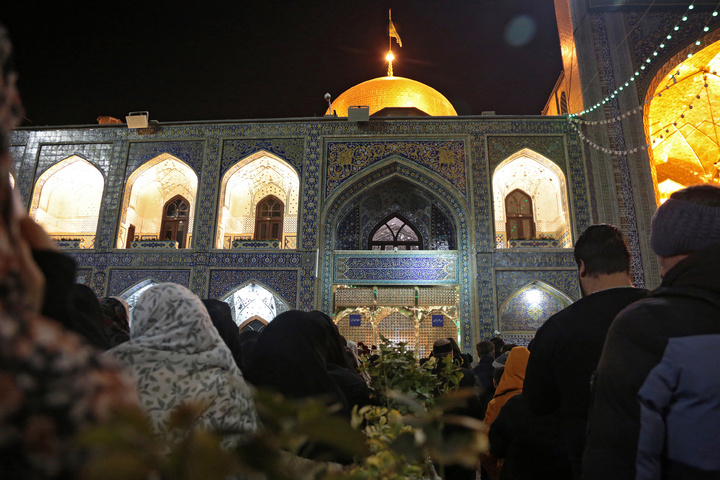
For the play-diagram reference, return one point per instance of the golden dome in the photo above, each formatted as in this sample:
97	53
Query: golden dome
393	92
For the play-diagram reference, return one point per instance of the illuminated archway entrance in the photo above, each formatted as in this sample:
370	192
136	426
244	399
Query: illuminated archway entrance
530	199
66	200
253	305
682	122
245	190
149	192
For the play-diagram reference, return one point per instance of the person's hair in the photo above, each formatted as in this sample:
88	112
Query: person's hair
499	343
508	346
603	250
707	195
485	348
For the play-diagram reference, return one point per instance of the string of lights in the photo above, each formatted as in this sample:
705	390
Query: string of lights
649	60
575	120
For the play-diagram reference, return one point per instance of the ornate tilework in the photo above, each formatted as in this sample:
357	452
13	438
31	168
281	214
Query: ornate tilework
17	152
303	144
121	279
626	204
395	268
84	276
190	152
282	282
565	281
289	149
344	159
502	147
537	259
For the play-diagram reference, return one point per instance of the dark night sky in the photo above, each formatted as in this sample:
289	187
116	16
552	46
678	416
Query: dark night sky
220	60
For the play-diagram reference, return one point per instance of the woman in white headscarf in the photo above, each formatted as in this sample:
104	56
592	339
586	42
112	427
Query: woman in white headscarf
176	356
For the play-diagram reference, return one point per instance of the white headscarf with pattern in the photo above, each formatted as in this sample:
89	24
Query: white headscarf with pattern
177	356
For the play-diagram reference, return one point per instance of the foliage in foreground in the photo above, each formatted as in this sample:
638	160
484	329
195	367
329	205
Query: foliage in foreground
402	437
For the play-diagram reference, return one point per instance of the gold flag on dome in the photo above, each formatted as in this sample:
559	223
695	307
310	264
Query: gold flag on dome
393	32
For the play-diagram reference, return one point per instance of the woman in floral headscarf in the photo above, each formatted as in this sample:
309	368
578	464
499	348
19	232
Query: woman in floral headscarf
177	357
52	383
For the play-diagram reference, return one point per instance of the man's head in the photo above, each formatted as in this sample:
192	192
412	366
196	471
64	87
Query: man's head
499	343
485	348
442	348
601	250
688	221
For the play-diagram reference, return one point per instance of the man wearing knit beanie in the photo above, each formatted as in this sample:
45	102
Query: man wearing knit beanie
656	404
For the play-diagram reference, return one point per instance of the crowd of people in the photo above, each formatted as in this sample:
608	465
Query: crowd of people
620	384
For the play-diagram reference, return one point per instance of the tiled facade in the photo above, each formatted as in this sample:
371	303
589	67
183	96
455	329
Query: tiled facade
444	163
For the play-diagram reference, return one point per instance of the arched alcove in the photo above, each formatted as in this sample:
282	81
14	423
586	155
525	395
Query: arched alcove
252	301
543	182
148	190
439	215
132	294
395	232
682	121
397	326
244	186
66	200
435	324
525	310
395	198
356	325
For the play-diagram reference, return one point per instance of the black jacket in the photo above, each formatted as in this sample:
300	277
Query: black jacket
656	403
564	355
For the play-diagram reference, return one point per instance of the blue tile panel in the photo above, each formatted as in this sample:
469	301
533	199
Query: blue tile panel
446	159
396	269
283	283
344	159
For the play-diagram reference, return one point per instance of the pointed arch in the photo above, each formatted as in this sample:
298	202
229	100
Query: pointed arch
681	120
148	190
527	308
253	300
244	186
175	218
132	294
269	218
395	231
439	190
544	184
66	199
253	323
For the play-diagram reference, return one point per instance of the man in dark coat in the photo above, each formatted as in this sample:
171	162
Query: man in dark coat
656	399
484	369
566	349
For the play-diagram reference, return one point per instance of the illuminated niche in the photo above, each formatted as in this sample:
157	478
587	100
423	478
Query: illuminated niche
66	200
159	203
682	122
527	308
132	294
254	306
530	200
259	201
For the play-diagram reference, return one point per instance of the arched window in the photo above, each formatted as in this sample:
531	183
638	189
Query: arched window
519	215
269	219
175	220
394	232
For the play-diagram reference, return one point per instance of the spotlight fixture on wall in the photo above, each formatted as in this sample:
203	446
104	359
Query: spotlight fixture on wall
137	119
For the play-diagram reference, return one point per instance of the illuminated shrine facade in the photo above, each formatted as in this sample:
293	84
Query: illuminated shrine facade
402	223
413	225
